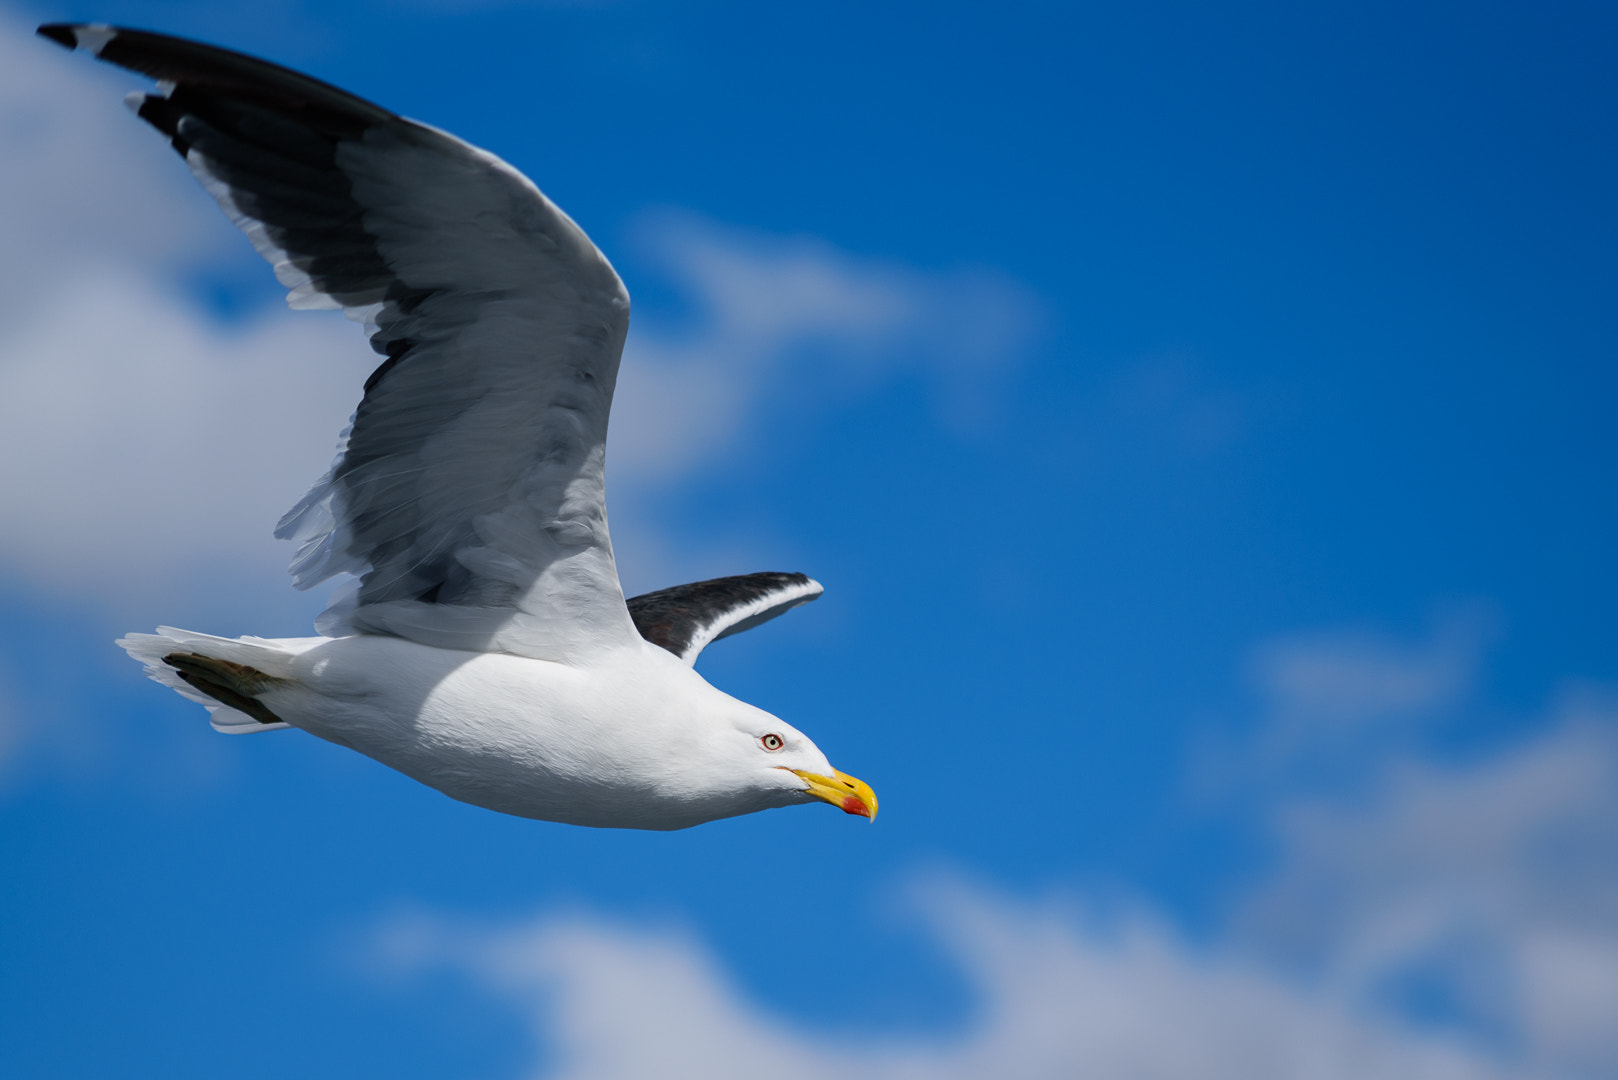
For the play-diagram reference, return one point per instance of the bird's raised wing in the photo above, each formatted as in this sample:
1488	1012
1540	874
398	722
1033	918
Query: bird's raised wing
469	496
687	618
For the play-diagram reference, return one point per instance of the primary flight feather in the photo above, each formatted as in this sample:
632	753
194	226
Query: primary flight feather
488	650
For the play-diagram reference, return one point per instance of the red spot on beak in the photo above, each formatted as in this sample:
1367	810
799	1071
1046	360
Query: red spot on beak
852	805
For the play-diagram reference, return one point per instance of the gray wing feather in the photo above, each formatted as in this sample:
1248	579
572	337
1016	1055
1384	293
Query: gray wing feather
469	497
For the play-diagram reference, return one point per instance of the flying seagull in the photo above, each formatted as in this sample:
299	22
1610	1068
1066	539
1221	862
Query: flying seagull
487	650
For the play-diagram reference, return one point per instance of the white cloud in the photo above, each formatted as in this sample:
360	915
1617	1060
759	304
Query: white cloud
1491	888
1315	682
80	179
160	445
1484	892
1333	704
778	323
1057	995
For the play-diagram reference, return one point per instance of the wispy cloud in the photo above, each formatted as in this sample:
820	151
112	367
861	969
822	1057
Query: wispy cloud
1330	705
1485	893
1480	893
1320	683
1058	993
159	442
1167	402
81	182
781	323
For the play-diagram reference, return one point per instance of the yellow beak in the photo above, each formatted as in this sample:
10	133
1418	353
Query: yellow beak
842	791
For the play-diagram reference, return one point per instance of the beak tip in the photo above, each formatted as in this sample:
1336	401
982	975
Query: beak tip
848	794
853	804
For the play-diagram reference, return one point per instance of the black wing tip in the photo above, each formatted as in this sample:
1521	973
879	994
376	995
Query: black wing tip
179	60
93	38
679	617
785	581
61	33
782	578
749	585
816	588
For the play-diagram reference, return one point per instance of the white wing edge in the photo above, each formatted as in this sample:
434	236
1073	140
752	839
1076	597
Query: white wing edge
754	613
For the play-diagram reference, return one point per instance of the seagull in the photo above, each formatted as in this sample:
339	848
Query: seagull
484	646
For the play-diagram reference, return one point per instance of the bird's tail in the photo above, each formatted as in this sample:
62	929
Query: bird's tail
225	674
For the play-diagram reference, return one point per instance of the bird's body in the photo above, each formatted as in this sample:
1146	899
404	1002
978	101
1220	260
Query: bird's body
487	649
533	738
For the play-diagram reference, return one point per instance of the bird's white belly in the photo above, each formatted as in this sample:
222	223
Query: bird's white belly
534	738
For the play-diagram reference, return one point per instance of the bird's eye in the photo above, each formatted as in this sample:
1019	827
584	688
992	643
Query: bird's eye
772	742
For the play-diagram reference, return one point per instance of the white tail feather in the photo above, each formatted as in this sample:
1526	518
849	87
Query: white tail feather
272	657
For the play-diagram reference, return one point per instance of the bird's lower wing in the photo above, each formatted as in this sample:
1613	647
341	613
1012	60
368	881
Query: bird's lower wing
685	619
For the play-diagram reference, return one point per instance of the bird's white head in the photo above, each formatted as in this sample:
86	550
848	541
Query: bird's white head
781	759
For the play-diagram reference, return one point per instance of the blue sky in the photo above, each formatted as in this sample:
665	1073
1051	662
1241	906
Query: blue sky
1201	421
